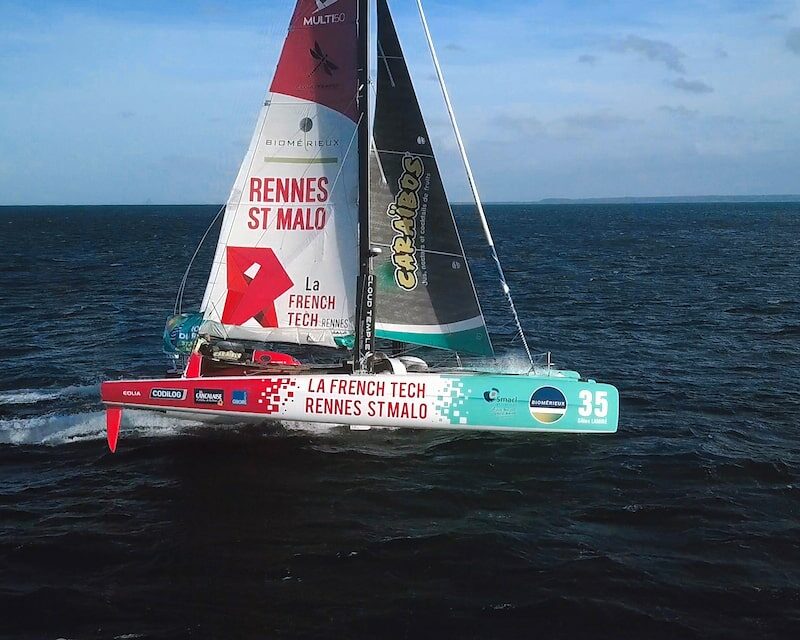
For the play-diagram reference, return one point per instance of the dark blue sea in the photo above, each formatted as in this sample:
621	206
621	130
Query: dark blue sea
685	524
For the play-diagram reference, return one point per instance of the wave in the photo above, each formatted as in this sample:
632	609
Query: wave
66	427
58	429
310	427
509	363
34	396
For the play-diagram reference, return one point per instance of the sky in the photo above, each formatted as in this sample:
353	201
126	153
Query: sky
133	102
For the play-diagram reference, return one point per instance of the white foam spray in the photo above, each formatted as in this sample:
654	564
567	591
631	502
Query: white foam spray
34	396
56	429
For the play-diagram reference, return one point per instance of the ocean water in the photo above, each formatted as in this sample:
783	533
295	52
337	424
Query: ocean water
685	524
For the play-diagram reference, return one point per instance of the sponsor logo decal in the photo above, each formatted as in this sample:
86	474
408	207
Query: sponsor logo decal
256	279
547	405
493	395
367	334
404	212
502	406
304	144
209	396
239	398
324	4
132	394
168	394
331	18
296	191
180	332
323	61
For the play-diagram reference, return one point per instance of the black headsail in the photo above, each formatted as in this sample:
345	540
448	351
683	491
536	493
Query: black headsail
424	287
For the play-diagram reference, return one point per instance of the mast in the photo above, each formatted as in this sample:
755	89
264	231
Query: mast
471	178
365	305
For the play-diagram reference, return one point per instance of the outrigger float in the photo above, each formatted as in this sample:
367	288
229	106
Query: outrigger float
339	235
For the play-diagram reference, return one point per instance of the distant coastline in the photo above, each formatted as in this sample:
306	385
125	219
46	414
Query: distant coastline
788	198
671	199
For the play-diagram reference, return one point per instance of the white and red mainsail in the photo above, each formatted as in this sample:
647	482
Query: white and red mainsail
286	263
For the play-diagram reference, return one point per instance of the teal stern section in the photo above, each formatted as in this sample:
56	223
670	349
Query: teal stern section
549	402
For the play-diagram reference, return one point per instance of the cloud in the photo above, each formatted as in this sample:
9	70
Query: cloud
678	111
691	86
576	125
587	59
519	124
654	50
597	121
793	41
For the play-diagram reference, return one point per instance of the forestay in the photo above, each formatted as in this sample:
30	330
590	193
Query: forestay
286	263
425	290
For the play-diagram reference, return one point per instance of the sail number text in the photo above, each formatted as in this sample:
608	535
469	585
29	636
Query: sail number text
593	404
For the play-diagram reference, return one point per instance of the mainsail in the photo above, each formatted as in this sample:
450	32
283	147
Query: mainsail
286	263
425	293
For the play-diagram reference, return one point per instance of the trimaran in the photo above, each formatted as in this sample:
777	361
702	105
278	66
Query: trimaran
339	234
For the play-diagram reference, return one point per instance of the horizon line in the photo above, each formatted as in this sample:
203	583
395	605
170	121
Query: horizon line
773	197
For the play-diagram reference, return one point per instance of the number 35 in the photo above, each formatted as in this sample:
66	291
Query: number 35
596	403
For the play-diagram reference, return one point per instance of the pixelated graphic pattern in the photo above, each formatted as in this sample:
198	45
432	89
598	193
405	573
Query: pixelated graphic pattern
276	394
449	403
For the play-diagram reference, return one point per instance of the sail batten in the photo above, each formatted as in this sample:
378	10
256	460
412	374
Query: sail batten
424	287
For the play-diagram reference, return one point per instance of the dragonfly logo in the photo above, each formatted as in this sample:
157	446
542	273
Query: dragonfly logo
324	4
323	61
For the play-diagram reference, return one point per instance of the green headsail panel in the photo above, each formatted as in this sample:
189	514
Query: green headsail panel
425	293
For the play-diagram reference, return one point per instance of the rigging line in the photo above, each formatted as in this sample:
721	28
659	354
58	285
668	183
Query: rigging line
377	157
373	145
219	315
471	178
383	57
179	299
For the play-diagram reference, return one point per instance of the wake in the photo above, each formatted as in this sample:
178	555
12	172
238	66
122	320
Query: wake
65	427
59	429
35	396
